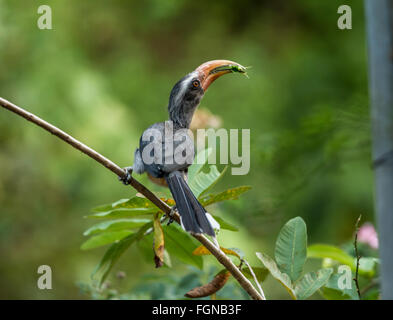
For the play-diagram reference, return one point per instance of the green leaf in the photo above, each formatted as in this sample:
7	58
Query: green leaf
332	291
199	161
283	278
104	239
167	259
291	248
115	251
202	182
367	265
230	194
123	213
260	273
145	247
111	256
333	294
134	202
328	251
180	244
225	225
115	225
311	282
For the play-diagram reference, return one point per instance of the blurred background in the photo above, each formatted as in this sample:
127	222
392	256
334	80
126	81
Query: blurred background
104	73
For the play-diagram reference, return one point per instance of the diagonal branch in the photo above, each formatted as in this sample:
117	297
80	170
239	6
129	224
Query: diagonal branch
220	256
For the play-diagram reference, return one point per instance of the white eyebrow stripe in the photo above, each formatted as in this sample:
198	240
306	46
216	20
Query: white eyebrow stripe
184	87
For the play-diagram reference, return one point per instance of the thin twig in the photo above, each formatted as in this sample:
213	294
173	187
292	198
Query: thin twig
255	279
218	254
356	279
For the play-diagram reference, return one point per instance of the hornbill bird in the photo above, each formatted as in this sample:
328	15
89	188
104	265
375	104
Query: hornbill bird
166	149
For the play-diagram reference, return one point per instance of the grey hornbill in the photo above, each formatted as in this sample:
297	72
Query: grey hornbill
166	150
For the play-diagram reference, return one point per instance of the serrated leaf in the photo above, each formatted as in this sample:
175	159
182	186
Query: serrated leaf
115	251
109	206
202	251
202	182
158	242
230	194
291	248
281	277
104	239
134	202
115	225
311	282
122	213
224	224
260	273
181	244
199	161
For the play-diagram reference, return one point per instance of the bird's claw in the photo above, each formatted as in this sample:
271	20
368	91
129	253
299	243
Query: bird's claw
171	215
169	221
126	178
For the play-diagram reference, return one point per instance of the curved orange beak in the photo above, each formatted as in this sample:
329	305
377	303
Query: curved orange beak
211	70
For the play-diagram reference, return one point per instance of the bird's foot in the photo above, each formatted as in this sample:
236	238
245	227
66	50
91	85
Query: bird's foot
126	178
171	215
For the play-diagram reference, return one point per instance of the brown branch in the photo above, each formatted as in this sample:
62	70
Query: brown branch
220	256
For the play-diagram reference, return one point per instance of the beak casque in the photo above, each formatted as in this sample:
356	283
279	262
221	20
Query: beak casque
211	70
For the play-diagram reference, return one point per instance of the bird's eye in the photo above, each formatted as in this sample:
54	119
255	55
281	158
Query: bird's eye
195	83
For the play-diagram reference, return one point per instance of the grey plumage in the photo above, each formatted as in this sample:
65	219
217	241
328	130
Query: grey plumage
138	166
183	100
161	149
166	151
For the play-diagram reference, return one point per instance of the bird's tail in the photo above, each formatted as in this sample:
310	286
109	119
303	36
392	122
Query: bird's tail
192	213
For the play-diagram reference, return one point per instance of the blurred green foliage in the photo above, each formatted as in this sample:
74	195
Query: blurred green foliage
104	74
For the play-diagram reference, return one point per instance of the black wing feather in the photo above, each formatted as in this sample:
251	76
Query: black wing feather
192	213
